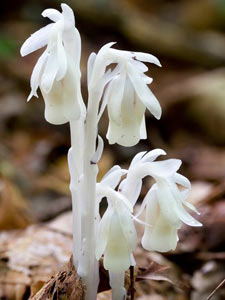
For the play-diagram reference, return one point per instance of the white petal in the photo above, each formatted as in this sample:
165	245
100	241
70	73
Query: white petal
103	59
139	65
103	233
182	214
54	105
162	237
128	228
99	150
143	132
144	93
150	196
113	169
52	14
50	71
126	136
117	254
147	79
35	77
91	62
182	180
67	13
167	203
61	59
72	45
191	206
163	168
36	41
113	178
104	101
147	58
115	98
137	158
152	155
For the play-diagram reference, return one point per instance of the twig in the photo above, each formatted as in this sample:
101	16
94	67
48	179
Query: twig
216	289
132	290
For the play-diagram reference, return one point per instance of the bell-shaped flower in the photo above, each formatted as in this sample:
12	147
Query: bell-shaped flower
165	213
127	95
165	202
57	71
116	237
159	235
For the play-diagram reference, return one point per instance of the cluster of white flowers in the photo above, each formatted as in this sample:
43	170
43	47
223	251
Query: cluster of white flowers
164	206
116	80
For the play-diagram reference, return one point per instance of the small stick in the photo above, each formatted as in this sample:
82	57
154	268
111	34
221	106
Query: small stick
132	283
216	289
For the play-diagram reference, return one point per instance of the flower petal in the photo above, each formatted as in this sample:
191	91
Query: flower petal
163	168
137	158
152	155
91	62
67	13
182	214
144	93
116	92
50	71
117	254
52	14
35	76
139	65
143	132
103	233
128	228
113	178
162	237
99	150
182	180
36	41
146	57
61	59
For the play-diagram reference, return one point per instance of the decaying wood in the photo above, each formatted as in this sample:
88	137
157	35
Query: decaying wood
65	285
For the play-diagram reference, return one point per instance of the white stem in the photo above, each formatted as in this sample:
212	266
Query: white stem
75	159
116	281
88	265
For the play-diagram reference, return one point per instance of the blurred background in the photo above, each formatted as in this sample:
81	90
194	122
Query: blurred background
188	36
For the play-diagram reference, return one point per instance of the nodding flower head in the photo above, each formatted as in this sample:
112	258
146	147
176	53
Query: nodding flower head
165	202
116	237
57	71
127	93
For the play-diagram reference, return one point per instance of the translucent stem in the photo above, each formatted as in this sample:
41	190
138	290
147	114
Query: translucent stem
116	281
75	160
88	265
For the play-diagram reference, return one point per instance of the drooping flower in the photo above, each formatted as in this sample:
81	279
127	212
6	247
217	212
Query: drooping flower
116	236
116	233
57	71
165	213
127	95
164	202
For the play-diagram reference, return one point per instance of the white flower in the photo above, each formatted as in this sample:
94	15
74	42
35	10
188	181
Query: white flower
127	94
164	202
165	213
116	237
57	71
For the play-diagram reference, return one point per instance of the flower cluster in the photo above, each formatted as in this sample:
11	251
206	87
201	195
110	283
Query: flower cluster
57	71
116	80
164	206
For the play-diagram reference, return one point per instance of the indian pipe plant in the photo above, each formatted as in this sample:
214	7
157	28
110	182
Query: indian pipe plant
124	90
